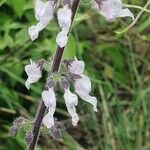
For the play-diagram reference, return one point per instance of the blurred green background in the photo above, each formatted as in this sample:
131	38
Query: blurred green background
119	67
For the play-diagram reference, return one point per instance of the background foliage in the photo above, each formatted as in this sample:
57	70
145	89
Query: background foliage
119	67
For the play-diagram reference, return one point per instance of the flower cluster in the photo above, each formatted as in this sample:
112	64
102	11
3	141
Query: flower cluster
44	13
82	86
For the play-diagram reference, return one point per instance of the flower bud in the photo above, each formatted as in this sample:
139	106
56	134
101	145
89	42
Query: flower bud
64	83
29	137
51	83
16	126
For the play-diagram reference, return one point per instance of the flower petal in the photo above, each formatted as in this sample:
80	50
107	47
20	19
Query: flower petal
125	13
61	39
64	17
29	81
111	9
83	88
49	99
76	67
64	20
33	32
50	102
90	99
27	84
33	70
71	101
34	73
44	11
41	25
48	120
83	85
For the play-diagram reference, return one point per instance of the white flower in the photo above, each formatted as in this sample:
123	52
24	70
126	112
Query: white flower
77	67
83	88
34	73
33	32
83	84
44	14
48	120
61	39
44	11
49	98
111	9
71	101
64	20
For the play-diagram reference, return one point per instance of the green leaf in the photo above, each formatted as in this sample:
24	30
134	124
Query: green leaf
21	37
18	6
115	55
9	40
3	43
15	143
2	2
70	50
71	142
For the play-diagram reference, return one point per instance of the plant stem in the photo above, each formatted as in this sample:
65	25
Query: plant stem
55	67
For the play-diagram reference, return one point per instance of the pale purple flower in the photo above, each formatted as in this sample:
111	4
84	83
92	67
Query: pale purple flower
49	99
64	20
61	39
112	9
44	14
76	67
83	88
34	73
71	101
64	17
48	120
83	84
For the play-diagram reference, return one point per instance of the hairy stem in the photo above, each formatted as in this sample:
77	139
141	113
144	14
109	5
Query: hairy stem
41	108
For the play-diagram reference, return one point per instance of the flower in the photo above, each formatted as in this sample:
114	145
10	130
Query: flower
71	101
48	120
34	73
83	84
33	32
49	99
112	9
44	14
64	20
61	39
83	88
76	67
